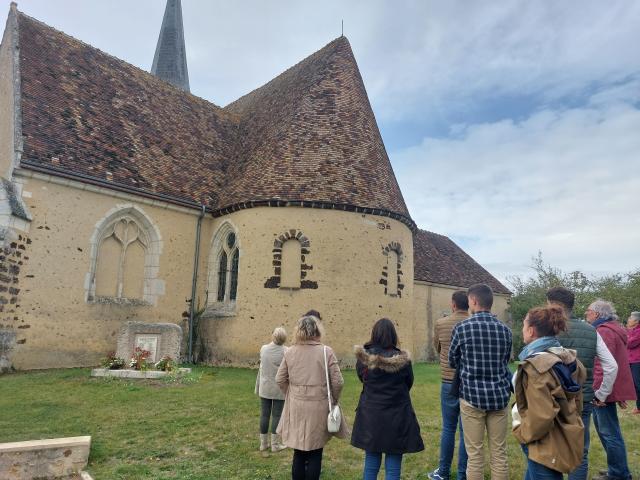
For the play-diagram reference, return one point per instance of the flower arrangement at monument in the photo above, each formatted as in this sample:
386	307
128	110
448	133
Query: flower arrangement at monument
166	364
112	362
139	359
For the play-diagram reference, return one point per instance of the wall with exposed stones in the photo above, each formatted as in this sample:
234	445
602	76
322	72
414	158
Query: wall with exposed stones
13	255
343	263
60	326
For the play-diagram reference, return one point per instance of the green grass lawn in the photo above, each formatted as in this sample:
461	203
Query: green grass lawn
207	429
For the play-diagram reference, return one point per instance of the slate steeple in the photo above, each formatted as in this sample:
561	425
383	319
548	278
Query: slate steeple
170	60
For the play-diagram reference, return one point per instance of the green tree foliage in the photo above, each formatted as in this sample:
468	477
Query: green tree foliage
621	289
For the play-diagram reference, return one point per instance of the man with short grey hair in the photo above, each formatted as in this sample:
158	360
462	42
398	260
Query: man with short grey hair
602	316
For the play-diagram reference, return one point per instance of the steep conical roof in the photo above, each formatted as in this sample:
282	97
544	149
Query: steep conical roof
310	134
170	60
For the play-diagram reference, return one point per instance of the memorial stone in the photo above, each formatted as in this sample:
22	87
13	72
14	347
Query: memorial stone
160	339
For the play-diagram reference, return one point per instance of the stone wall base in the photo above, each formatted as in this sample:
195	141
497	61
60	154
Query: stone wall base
44	459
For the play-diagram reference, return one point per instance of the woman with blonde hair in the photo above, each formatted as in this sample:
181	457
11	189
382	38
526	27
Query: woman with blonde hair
271	398
303	380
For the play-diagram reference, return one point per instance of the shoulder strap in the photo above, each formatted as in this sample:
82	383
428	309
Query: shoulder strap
326	371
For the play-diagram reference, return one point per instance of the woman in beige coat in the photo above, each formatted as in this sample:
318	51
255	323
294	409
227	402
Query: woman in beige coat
301	376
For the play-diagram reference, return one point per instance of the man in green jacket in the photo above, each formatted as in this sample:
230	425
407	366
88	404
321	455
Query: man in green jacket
588	344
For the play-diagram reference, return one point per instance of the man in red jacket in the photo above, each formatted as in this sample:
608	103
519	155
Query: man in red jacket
602	316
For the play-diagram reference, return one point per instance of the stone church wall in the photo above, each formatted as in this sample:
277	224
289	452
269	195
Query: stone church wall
61	328
345	274
353	268
432	301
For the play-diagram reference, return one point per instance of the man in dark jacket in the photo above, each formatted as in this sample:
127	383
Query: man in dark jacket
602	316
589	346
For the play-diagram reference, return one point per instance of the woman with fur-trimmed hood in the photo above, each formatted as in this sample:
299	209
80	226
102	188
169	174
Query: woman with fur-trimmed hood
385	421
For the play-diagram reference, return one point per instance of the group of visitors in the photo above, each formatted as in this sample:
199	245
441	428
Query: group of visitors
568	371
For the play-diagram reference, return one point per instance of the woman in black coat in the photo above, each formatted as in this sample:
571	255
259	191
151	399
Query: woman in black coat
385	421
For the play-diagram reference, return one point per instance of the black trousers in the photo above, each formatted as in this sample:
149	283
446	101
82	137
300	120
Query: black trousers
635	371
306	465
270	408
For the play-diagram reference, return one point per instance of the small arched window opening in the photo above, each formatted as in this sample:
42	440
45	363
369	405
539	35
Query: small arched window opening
392	270
392	273
290	267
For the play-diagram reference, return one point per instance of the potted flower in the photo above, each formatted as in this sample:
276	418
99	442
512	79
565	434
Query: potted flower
139	359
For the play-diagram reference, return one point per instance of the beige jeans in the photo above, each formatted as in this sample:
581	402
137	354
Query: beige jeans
474	423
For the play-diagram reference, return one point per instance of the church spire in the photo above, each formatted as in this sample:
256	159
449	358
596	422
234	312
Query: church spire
170	60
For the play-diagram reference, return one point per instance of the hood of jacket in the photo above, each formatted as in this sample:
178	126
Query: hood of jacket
562	361
390	364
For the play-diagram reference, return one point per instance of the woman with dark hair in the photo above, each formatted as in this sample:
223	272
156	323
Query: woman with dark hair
548	384
385	421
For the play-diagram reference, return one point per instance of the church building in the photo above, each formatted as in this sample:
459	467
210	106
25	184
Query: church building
124	197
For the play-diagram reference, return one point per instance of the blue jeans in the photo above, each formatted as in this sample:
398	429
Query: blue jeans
537	471
581	472
392	465
608	427
450	407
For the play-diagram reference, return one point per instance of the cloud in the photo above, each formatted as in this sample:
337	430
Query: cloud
563	181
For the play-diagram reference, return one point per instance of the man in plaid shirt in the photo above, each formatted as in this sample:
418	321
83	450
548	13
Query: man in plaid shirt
480	351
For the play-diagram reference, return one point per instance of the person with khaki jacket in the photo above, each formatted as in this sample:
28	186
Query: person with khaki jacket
547	415
449	401
302	378
271	397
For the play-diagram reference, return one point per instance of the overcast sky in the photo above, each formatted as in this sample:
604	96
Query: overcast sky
512	126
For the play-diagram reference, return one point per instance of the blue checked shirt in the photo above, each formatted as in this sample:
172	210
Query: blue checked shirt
481	349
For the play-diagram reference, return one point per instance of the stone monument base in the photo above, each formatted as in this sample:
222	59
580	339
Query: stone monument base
105	372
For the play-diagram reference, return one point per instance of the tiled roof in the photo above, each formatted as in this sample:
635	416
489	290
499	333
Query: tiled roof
88	113
437	259
308	135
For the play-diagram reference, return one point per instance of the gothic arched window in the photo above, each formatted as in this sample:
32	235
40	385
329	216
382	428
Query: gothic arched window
223	265
125	250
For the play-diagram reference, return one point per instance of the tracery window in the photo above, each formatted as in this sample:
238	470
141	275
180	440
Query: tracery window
223	265
125	250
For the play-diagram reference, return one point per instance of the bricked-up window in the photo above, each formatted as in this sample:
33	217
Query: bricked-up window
121	259
223	265
125	250
290	267
392	273
391	278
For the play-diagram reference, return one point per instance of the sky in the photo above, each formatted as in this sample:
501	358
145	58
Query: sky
513	127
